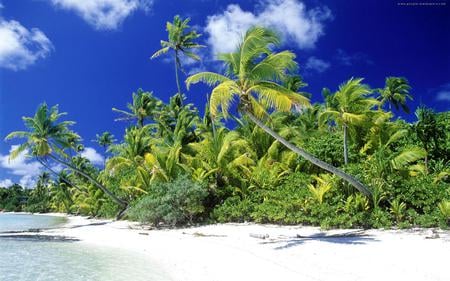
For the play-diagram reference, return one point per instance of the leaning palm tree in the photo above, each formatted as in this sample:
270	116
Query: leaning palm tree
180	41
351	103
46	138
395	92
144	106
252	76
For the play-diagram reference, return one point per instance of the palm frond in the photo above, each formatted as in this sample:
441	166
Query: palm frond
222	95
408	156
209	78
160	52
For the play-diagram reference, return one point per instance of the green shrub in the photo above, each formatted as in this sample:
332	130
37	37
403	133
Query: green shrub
233	209
174	203
108	209
380	219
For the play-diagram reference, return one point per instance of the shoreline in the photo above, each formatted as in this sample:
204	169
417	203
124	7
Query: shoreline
240	251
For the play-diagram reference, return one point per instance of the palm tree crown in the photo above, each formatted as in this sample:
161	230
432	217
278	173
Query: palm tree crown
44	135
251	76
143	106
180	41
396	92
105	140
348	107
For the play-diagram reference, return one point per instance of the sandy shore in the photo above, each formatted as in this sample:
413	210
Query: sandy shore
238	252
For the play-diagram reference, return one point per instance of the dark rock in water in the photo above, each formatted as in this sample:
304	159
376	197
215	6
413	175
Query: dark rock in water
38	238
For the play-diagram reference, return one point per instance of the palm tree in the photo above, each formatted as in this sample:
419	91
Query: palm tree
60	193
130	156
382	139
44	179
351	103
219	153
144	106
395	92
252	76
46	138
180	41
105	140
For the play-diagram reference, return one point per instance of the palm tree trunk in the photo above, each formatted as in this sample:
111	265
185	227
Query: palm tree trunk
119	201
176	75
58	175
345	144
140	122
358	185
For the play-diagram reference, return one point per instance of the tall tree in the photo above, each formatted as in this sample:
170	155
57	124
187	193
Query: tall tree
46	138
253	75
180	41
351	103
395	92
429	133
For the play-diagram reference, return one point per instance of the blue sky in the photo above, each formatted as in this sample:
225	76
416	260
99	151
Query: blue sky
89	56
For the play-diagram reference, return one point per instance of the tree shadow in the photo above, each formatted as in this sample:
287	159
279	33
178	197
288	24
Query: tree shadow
89	224
289	242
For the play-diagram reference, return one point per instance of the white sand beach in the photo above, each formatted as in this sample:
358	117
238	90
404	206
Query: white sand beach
238	252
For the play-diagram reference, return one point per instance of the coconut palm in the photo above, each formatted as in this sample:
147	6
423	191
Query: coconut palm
220	153
144	106
180	41
382	139
351	103
60	193
105	140
46	138
395	92
252	76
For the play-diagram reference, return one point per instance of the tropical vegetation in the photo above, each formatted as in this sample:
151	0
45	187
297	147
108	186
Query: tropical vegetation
260	152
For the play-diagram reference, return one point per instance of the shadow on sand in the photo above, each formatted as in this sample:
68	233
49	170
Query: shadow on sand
353	238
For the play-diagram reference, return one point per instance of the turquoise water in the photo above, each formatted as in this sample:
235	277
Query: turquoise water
11	222
33	260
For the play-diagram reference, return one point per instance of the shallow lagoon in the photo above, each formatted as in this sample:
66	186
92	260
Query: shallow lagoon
31	260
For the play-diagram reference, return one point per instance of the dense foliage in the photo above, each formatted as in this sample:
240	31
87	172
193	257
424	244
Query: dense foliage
346	162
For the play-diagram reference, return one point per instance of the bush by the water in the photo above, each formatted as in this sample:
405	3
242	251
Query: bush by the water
171	203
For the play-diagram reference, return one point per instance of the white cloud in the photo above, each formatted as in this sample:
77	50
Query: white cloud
443	96
28	181
346	59
92	155
20	47
289	17
317	64
104	14
443	93
6	182
21	166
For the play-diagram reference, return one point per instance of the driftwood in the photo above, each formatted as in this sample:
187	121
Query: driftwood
200	234
259	236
